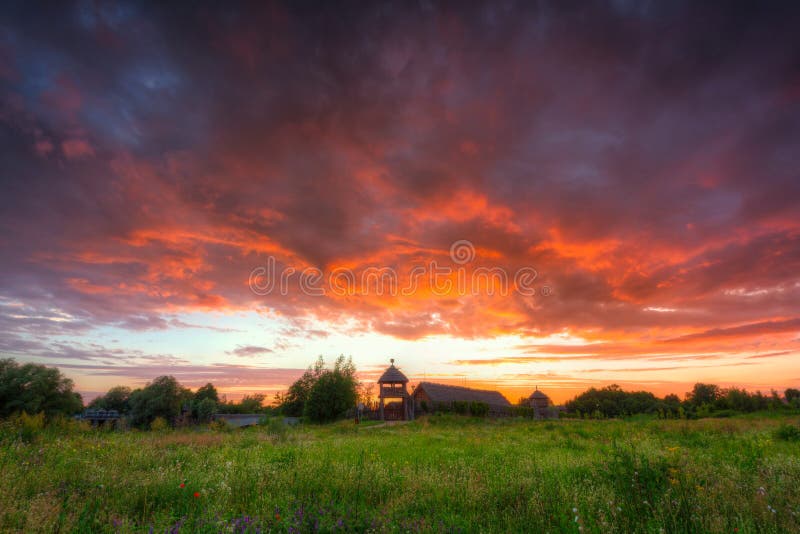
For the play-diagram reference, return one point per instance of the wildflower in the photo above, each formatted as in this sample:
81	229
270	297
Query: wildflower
277	517
574	510
182	485
196	494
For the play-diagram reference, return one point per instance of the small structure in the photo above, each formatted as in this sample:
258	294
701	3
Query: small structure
540	404
429	396
100	417
392	385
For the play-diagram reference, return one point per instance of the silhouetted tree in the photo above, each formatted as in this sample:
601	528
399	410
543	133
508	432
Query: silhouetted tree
703	394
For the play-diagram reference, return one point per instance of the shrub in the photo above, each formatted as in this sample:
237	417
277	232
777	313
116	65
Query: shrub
275	427
28	426
220	425
787	432
159	424
460	407
478	409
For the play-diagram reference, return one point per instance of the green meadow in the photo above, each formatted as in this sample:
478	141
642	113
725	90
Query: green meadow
436	474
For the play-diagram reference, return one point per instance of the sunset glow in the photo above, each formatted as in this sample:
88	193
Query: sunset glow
637	164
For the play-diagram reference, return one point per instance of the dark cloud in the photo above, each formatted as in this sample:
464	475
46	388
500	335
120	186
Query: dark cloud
638	156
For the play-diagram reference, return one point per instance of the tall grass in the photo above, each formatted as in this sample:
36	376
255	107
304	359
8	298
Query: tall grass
436	474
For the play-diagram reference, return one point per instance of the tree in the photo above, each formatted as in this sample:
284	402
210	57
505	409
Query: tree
34	388
334	392
252	403
791	394
205	409
117	398
163	397
612	401
703	394
294	401
207	392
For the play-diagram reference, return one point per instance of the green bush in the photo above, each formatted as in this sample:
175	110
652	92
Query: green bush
478	409
159	424
787	432
275	427
220	425
28	426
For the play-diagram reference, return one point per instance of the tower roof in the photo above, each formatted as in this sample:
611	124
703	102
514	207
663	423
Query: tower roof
392	374
538	395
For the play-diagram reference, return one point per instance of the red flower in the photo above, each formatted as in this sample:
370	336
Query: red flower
277	517
196	494
182	485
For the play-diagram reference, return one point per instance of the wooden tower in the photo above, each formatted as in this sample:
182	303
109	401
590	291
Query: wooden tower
392	385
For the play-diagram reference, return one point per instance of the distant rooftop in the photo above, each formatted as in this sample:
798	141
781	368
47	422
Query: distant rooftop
447	393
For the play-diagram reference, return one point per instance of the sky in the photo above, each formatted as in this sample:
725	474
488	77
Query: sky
507	195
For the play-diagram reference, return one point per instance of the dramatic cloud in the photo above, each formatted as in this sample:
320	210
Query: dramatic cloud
641	158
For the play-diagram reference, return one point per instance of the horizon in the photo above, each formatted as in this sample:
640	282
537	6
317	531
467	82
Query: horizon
506	197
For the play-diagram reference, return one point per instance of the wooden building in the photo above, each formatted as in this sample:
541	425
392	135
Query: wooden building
392	385
429	396
541	405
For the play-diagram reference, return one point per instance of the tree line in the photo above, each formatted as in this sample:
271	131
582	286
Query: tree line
320	395
324	394
704	400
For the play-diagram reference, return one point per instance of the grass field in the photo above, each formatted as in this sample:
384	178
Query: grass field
435	474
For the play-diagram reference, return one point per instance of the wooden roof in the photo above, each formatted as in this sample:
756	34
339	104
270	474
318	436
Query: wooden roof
447	393
392	374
